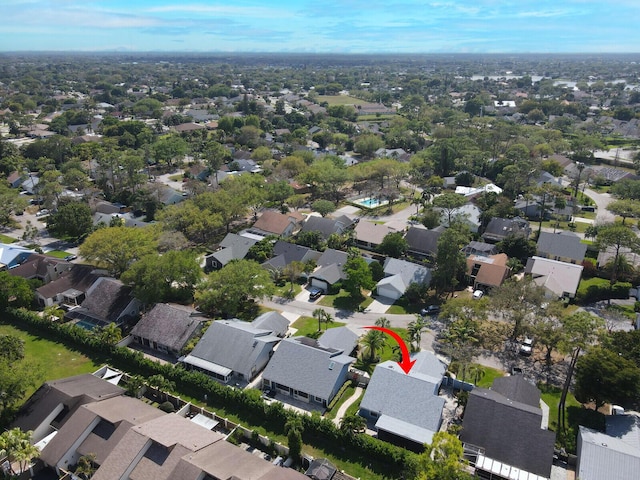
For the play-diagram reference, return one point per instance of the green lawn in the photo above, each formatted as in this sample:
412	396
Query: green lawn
561	226
490	374
52	360
340	100
7	239
343	398
308	326
57	254
374	117
283	291
344	301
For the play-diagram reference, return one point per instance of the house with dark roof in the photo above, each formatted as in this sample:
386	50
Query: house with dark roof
405	408
330	269
44	268
505	425
563	246
559	279
307	370
107	301
327	226
480	249
167	328
500	228
276	223
232	247
232	348
614	455
485	273
422	242
70	287
399	274
284	253
370	235
15	179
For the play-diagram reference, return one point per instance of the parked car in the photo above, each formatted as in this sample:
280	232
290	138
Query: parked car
42	213
68	258
315	293
430	310
478	294
526	347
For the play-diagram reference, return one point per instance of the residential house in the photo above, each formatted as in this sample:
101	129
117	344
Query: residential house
399	274
132	439
547	178
422	243
232	247
405	407
330	269
479	249
485	273
563	246
370	235
276	223
273	321
126	219
284	253
30	185
107	301
15	179
307	370
232	348
340	338
532	208
467	214
70	288
500	228
504	424
614	455
41	267
559	279
167	328
167	195
321	469
327	226
13	255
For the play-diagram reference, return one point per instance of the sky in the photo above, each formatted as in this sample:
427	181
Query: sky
322	26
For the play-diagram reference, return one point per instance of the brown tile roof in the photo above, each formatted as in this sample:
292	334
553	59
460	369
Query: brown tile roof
276	222
36	266
493	269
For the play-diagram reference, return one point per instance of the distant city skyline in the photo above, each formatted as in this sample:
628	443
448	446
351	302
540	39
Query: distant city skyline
330	26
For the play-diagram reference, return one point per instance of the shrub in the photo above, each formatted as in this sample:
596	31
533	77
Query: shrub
167	407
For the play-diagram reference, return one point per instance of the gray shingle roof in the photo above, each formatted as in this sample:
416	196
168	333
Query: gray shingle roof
500	228
408	398
509	431
284	253
234	344
234	247
106	301
340	338
409	272
272	321
422	240
301	364
169	325
564	244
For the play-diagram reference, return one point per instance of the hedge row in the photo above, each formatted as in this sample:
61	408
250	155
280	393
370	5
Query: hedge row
246	404
603	291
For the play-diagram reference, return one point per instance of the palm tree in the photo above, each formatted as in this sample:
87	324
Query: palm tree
328	318
85	467
414	331
353	424
383	322
373	341
320	315
53	313
109	334
16	446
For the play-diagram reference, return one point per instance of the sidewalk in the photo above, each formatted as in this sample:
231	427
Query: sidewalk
343	408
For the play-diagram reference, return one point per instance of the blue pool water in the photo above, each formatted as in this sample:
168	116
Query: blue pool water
370	202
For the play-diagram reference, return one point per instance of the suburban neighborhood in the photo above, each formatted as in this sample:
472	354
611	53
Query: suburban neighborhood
259	271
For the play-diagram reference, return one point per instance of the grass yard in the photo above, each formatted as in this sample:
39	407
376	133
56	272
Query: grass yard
347	394
7	239
57	254
374	117
52	360
308	326
340	100
284	290
580	227
344	301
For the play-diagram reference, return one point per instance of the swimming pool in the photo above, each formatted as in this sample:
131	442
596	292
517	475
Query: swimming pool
370	202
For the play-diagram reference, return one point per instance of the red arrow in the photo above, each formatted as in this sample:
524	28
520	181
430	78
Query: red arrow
406	364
